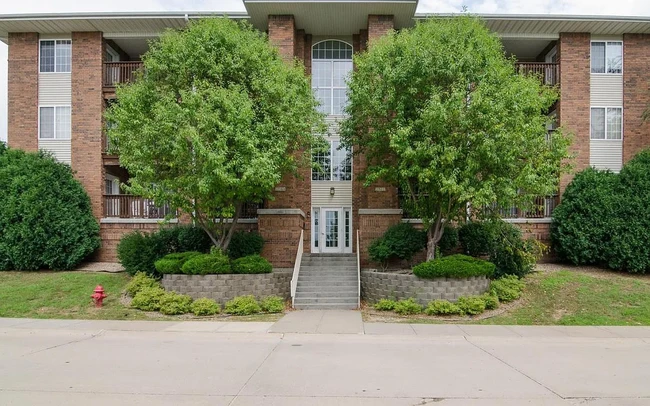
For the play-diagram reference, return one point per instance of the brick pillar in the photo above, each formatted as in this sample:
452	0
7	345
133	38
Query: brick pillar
299	45
87	110
379	25
574	108
282	34
280	229
636	93
307	56
372	225
22	125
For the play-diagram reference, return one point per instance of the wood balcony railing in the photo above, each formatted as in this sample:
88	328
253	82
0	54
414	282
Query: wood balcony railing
543	208
549	72
120	72
133	207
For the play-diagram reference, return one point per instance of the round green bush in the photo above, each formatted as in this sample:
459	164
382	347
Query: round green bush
407	306
148	298
243	306
251	264
205	307
245	243
140	281
46	219
454	266
272	304
442	307
172	263
385	305
507	288
471	305
401	241
206	264
475	238
491	300
172	303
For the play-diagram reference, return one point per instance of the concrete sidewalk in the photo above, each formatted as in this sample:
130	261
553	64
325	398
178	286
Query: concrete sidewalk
72	362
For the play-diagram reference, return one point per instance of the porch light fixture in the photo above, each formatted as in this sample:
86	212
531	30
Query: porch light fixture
331	191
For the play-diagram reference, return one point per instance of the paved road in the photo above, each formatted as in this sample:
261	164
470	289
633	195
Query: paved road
57	362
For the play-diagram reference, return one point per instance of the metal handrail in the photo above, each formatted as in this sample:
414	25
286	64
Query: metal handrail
358	272
296	269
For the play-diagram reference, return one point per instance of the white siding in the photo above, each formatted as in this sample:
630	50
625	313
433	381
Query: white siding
59	148
606	154
54	89
320	194
606	90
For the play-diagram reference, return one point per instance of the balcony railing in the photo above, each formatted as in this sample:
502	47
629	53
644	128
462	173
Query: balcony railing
549	72
249	210
543	207
133	207
120	72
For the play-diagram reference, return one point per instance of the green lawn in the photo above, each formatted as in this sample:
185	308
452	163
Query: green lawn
66	295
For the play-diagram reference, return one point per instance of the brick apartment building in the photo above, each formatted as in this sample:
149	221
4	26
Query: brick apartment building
63	69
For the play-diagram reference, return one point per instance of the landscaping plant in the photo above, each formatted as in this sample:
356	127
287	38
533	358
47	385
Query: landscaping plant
172	303
251	264
400	241
242	306
148	298
46	219
172	263
507	288
205	264
140	281
454	266
471	305
205	307
245	243
272	304
407	306
385	305
442	307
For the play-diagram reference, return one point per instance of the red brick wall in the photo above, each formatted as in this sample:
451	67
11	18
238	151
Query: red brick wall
282	34
111	234
574	109
281	233
22	125
87	110
636	93
371	227
379	25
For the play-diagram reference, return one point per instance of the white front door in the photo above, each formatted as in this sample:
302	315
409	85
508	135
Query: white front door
331	230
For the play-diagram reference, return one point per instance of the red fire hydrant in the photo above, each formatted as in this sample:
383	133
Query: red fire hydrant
98	296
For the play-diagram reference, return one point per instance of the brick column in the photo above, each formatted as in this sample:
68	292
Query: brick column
574	109
22	125
87	110
280	229
636	93
282	34
373	223
379	25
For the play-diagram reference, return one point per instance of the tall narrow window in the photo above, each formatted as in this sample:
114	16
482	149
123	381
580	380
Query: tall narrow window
333	162
331	66
606	123
607	57
56	56
54	123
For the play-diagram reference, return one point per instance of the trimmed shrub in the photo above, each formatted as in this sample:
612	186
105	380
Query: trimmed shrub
471	305
172	263
272	304
172	303
205	264
148	298
140	281
408	306
449	240
475	238
385	305
491	300
441	307
242	306
251	264
245	243
401	241
138	252
454	266
191	238
46	219
205	307
508	288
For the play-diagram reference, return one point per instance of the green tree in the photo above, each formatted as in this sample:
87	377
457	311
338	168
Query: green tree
441	112
216	119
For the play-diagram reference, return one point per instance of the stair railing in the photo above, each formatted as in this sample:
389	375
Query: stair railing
296	269
358	273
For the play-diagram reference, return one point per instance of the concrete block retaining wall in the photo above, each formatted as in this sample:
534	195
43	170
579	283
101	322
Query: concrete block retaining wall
377	285
222	288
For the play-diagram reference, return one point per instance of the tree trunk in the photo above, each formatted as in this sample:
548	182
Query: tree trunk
434	233
231	229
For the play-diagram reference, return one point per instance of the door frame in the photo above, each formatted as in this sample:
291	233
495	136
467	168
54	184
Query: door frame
318	231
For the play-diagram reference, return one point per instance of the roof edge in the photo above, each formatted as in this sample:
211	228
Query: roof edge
540	17
125	15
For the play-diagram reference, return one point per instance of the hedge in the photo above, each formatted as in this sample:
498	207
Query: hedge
454	266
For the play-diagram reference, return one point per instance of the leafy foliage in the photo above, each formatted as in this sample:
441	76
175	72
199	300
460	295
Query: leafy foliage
442	307
272	304
205	264
172	263
245	243
407	306
471	305
205	307
172	303
385	305
400	241
441	112
603	218
251	264
491	300
243	305
46	219
140	281
454	266
476	238
215	122
508	288
449	240
148	298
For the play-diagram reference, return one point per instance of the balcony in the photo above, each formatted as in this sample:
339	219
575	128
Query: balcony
543	208
548	72
116	73
133	207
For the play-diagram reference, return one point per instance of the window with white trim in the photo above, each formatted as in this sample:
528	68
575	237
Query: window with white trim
607	57
54	123
56	56
606	123
332	163
331	66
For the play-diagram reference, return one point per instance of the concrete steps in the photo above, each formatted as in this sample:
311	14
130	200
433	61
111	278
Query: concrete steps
327	281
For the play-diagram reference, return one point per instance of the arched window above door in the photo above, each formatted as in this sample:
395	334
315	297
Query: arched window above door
331	66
